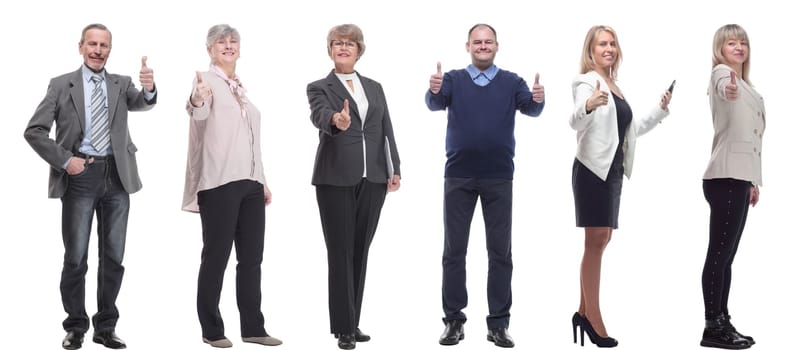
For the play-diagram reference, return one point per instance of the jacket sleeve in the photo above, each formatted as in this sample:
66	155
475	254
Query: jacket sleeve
38	130
647	123
389	134
721	76
135	99
582	90
321	111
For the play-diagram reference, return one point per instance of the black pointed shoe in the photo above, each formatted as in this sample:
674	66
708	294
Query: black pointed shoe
360	336
453	332
501	337
346	341
109	339
73	340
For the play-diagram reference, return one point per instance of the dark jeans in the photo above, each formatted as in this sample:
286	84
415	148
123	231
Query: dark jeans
233	212
98	189
349	216
728	200
460	200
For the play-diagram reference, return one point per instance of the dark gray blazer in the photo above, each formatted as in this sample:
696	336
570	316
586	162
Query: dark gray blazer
338	160
64	105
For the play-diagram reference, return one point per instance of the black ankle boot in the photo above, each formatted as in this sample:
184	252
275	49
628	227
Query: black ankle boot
717	335
731	328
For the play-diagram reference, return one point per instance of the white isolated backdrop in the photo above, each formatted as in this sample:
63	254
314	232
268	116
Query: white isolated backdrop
651	294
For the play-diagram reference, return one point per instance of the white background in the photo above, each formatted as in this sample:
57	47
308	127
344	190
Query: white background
651	295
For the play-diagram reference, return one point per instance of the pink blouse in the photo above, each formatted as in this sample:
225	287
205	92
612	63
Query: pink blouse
224	139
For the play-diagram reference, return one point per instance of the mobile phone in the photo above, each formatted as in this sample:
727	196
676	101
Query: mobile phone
671	88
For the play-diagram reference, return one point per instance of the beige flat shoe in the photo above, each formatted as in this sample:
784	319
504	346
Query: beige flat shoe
220	343
269	341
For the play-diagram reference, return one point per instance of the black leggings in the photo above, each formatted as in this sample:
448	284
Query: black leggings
728	200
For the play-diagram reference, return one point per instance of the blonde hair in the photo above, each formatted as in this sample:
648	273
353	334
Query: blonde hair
350	31
587	56
723	34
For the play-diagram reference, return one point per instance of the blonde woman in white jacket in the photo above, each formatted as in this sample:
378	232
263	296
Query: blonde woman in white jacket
606	134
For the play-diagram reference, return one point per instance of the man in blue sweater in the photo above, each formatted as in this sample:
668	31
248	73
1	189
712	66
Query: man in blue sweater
481	101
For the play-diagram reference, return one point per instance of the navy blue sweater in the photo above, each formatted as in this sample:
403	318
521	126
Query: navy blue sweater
481	122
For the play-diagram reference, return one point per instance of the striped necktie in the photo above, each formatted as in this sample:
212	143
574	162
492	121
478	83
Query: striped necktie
99	117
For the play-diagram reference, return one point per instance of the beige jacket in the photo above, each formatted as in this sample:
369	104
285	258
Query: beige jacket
739	126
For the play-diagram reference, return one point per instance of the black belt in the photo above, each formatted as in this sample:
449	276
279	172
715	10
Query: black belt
87	156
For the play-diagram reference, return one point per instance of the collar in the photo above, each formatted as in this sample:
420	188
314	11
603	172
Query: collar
87	74
489	73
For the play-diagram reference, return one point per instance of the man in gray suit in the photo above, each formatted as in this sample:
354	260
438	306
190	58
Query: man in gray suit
92	168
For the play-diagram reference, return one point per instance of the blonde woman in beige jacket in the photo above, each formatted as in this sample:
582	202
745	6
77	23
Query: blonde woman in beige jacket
732	179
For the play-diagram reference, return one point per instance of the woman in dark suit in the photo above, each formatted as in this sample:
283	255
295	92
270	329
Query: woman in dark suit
732	178
355	166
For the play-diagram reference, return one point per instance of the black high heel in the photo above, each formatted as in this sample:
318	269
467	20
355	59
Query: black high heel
601	342
577	324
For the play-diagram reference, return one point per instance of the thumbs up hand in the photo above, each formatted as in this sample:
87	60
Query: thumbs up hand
342	119
731	88
537	91
598	98
436	80
146	75
201	91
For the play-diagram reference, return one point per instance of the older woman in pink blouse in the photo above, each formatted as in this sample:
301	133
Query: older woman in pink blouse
226	185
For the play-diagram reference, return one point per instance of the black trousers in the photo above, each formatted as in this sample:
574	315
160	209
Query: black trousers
728	200
232	213
349	216
460	200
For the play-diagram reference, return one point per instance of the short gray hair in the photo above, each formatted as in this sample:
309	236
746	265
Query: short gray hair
220	31
350	31
98	26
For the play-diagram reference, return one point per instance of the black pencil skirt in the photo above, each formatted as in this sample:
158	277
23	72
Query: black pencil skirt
597	201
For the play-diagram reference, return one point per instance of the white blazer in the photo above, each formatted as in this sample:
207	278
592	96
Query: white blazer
739	126
597	132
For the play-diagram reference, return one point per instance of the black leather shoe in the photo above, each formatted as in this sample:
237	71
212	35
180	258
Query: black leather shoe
728	326
346	341
73	340
109	339
358	335
361	337
453	333
718	335
501	337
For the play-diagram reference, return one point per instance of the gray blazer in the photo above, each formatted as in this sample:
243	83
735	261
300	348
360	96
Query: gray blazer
65	106
739	127
338	160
